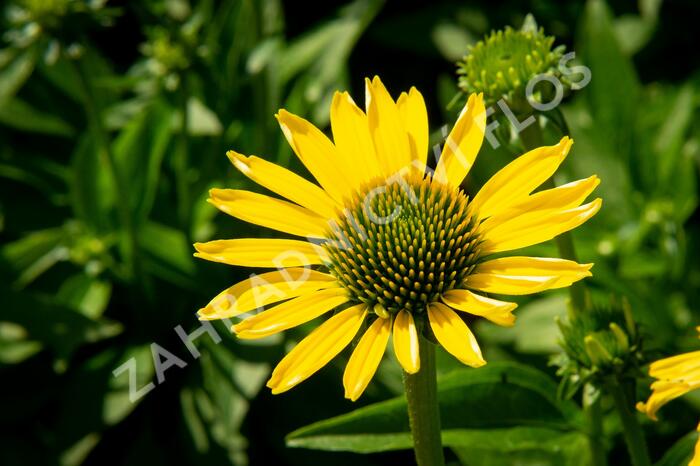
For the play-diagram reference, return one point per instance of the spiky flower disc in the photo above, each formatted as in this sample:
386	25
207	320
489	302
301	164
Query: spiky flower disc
393	250
504	62
404	245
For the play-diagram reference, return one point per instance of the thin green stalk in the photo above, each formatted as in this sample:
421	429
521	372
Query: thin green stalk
632	430
94	116
593	415
531	136
423	409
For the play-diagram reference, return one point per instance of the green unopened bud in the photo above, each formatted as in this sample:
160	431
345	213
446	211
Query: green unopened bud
503	63
623	343
599	342
597	353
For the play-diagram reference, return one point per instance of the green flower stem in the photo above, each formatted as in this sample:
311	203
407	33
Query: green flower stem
94	116
531	137
593	415
423	409
632	430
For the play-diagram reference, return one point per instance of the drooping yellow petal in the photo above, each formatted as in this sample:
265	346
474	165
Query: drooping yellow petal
261	252
505	272
317	349
663	392
454	335
287	184
534	227
414	116
318	155
269	212
387	130
405	339
563	197
498	312
677	375
263	289
366	358
463	143
352	138
290	313
514	182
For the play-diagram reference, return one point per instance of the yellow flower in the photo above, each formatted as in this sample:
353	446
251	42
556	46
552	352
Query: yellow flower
391	248
675	376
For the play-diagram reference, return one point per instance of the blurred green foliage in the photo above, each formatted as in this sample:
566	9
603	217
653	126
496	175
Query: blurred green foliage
114	121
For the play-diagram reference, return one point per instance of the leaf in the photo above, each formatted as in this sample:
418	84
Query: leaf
27	258
324	51
138	151
92	190
681	452
15	73
499	395
18	114
536	331
614	88
168	253
55	327
519	446
85	294
201	121
14	346
452	40
92	398
215	406
672	135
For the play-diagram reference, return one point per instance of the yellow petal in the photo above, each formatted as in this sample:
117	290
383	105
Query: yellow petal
662	393
269	212
515	181
366	358
414	117
261	252
563	197
405	339
263	289
463	143
498	312
317	153
684	366
454	335
352	138
317	349
290	313
286	183
534	227
505	284
387	130
515	269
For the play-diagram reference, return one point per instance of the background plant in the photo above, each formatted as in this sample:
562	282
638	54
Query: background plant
114	121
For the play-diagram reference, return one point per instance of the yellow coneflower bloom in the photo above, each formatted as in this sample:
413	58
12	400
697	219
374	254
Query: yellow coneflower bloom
394	249
675	376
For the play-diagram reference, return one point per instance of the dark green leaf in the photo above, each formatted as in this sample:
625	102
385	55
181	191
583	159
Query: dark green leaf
500	395
19	114
681	452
